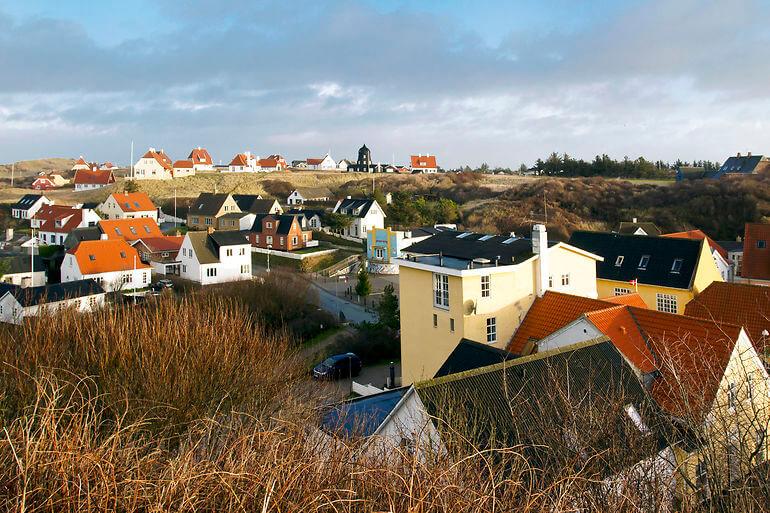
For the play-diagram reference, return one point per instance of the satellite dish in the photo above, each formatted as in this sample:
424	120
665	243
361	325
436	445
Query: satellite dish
469	307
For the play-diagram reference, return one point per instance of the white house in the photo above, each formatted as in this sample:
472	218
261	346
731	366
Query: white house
423	164
23	270
343	164
16	303
243	163
129	205
28	205
301	195
324	163
216	257
89	179
366	214
154	165
55	222
111	262
201	159
80	164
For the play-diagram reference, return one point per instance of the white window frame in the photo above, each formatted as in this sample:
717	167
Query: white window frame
565	280
621	291
491	330
486	285
441	291
666	303
644	262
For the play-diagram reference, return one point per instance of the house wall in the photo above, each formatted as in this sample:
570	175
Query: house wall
110	281
707	271
579	330
229	268
12	312
201	222
10	309
150	169
296	238
26	279
18	213
90	186
181	172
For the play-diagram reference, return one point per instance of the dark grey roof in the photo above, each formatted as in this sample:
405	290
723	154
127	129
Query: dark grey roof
208	204
206	245
307	212
234	215
662	252
31	296
26	202
229	238
468	246
253	203
470	355
20	264
630	228
731	245
91	205
350	205
362	416
284	222
744	164
78	235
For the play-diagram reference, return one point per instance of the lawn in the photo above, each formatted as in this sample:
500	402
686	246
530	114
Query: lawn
323	236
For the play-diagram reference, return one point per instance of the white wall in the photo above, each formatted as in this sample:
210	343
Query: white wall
110	281
229	268
150	169
579	330
26	279
12	312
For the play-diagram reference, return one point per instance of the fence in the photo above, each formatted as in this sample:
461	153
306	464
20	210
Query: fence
295	256
341	267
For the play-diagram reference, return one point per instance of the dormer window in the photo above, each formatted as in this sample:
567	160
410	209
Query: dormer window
122	254
619	261
133	230
92	257
117	230
676	267
644	261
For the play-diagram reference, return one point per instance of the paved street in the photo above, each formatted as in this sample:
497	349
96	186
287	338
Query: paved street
353	312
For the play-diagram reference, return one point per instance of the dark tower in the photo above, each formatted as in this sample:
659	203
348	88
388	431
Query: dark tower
364	158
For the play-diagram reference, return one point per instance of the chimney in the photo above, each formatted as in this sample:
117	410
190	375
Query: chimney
152	150
633	220
739	154
8	234
540	248
748	154
103	236
348	197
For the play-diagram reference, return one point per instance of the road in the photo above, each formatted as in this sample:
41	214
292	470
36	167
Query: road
353	312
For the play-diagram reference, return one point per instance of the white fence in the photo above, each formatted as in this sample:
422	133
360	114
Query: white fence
289	254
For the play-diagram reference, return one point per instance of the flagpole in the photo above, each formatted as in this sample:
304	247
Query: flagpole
32	259
132	160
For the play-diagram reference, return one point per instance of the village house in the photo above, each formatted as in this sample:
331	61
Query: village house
734	249
129	205
215	257
458	285
719	253
201	159
182	168
129	230
16	302
302	195
243	163
666	272
255	204
365	215
153	165
161	253
44	181
28	205
80	164
755	265
384	246
279	232
89	179
313	217
23	270
236	221
343	164
112	263
636	227
423	164
205	210
325	163
55	222
272	163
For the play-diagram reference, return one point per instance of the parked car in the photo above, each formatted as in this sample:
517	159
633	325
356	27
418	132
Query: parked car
161	285
339	366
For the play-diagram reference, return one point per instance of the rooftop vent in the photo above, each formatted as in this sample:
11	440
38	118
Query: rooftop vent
482	261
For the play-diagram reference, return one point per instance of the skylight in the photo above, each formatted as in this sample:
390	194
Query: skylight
676	267
619	261
117	230
122	254
92	257
464	234
133	230
644	261
485	237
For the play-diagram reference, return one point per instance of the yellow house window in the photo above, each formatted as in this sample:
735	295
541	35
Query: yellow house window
441	291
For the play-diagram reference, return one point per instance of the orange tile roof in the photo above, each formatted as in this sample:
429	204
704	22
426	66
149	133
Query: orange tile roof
94	176
269	162
633	299
103	256
239	160
616	322
130	229
756	261
183	164
200	156
549	313
133	201
81	162
698	235
736	303
315	162
423	161
160	157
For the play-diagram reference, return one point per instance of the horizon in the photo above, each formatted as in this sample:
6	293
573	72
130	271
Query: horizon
470	82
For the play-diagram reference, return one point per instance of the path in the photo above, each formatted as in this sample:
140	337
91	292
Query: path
334	305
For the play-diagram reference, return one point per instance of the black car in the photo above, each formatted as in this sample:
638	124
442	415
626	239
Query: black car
338	366
161	285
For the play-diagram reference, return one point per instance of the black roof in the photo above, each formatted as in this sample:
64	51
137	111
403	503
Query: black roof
469	246
350	205
362	416
208	204
629	228
91	205
20	264
253	203
31	296
731	245
744	164
662	252
284	222
470	355
307	212
228	238
26	202
78	235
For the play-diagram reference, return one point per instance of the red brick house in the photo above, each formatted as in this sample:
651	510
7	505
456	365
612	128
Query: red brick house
280	232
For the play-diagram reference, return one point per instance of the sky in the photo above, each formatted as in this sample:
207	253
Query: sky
501	82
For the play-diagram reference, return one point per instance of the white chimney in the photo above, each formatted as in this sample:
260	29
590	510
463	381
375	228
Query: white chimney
348	197
152	150
540	248
8	234
103	236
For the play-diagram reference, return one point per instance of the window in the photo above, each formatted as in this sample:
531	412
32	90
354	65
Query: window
132	229
676	267
435	321
485	282
184	268
619	261
256	239
207	220
491	330
550	281
196	220
269	239
269	224
281	241
666	303
242	251
163	255
565	280
732	395
211	272
245	269
452	325
229	252
644	261
294	240
761	244
620	291
144	278
441	290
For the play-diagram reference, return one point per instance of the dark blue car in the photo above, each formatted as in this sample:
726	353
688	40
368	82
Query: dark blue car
339	366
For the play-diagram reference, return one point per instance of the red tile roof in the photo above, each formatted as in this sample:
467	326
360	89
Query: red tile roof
133	201
618	324
103	256
268	162
239	160
69	218
91	176
549	313
423	161
160	157
756	260
130	229
315	162
170	243
183	164
633	299
736	303
200	156
698	235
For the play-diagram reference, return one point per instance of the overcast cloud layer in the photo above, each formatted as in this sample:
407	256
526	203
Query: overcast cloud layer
662	79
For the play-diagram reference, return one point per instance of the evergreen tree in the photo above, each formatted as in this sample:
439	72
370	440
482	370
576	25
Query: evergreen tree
388	309
363	286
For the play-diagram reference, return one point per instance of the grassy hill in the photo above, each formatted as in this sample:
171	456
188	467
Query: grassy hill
27	168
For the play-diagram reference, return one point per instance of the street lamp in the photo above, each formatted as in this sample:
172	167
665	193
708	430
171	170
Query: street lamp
269	247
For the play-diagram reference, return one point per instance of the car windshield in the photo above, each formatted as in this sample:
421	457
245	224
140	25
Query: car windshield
329	362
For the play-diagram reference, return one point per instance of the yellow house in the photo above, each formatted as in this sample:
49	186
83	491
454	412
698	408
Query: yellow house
458	285
666	272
